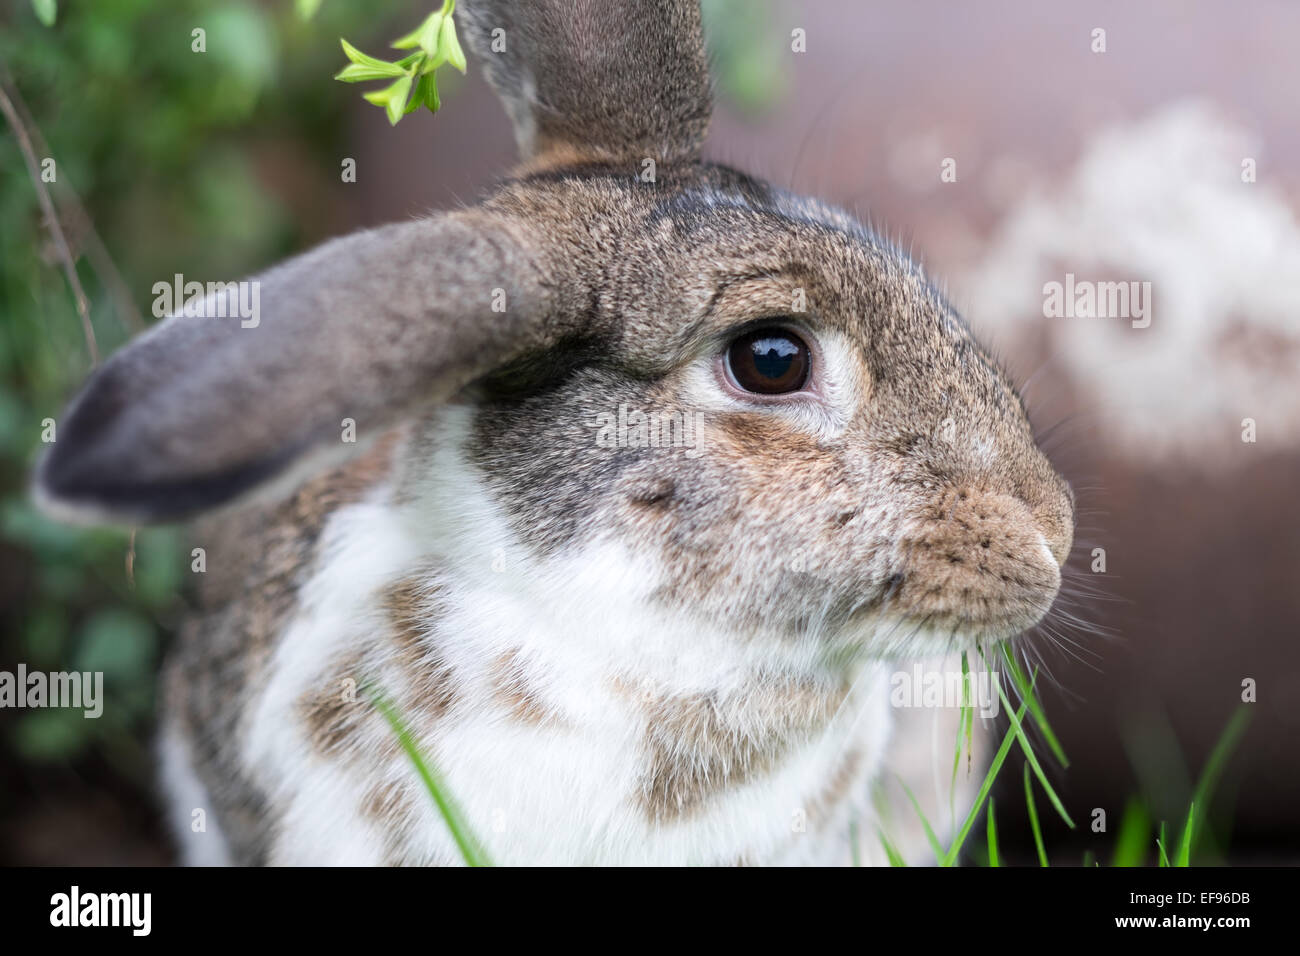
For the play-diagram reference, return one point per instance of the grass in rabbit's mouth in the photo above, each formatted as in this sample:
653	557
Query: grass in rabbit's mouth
1133	838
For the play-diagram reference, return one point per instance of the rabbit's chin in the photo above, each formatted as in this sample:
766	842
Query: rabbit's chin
919	637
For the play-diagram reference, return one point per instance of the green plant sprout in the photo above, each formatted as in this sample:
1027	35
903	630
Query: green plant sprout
471	848
992	838
414	76
1032	809
47	11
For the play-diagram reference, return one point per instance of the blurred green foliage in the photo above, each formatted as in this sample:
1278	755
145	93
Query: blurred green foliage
178	157
749	52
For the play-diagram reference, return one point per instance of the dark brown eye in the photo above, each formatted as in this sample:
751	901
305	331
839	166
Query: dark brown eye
769	362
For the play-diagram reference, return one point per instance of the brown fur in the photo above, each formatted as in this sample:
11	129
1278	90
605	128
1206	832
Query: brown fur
335	711
699	746
516	692
413	612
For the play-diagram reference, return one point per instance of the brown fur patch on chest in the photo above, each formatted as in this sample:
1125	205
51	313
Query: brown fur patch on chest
696	746
515	689
403	662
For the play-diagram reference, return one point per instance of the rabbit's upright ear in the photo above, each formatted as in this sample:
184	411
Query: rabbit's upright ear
595	79
204	408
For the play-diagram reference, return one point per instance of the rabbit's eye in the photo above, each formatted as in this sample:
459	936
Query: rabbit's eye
769	362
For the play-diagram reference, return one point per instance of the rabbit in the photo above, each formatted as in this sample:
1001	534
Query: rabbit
659	471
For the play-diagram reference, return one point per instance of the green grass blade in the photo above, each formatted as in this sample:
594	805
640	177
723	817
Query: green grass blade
1033	818
1134	836
470	847
996	765
969	715
961	727
935	845
1089	859
895	858
1025	745
1184	855
1026	689
992	838
1160	843
1213	769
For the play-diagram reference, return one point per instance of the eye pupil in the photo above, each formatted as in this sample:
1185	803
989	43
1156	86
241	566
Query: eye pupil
769	362
773	357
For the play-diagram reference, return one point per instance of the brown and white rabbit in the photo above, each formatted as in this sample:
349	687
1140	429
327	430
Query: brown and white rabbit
656	481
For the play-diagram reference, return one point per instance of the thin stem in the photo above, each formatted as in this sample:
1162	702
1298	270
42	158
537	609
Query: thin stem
52	221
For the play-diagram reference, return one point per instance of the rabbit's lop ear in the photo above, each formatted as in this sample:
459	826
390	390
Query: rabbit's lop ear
594	79
206	407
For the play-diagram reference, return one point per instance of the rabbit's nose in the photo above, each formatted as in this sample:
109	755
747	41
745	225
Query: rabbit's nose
1054	515
982	557
1058	530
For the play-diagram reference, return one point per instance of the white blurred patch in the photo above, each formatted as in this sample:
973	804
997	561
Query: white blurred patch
1163	201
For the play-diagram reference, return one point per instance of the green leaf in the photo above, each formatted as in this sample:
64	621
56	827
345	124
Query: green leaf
1033	817
425	36
434	42
1213	768
992	838
1160	843
429	33
998	759
46	11
359	73
392	98
449	45
409	41
1134	835
962	716
1184	855
356	56
935	845
421	93
431	99
470	848
1029	751
1026	693
969	716
895	858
